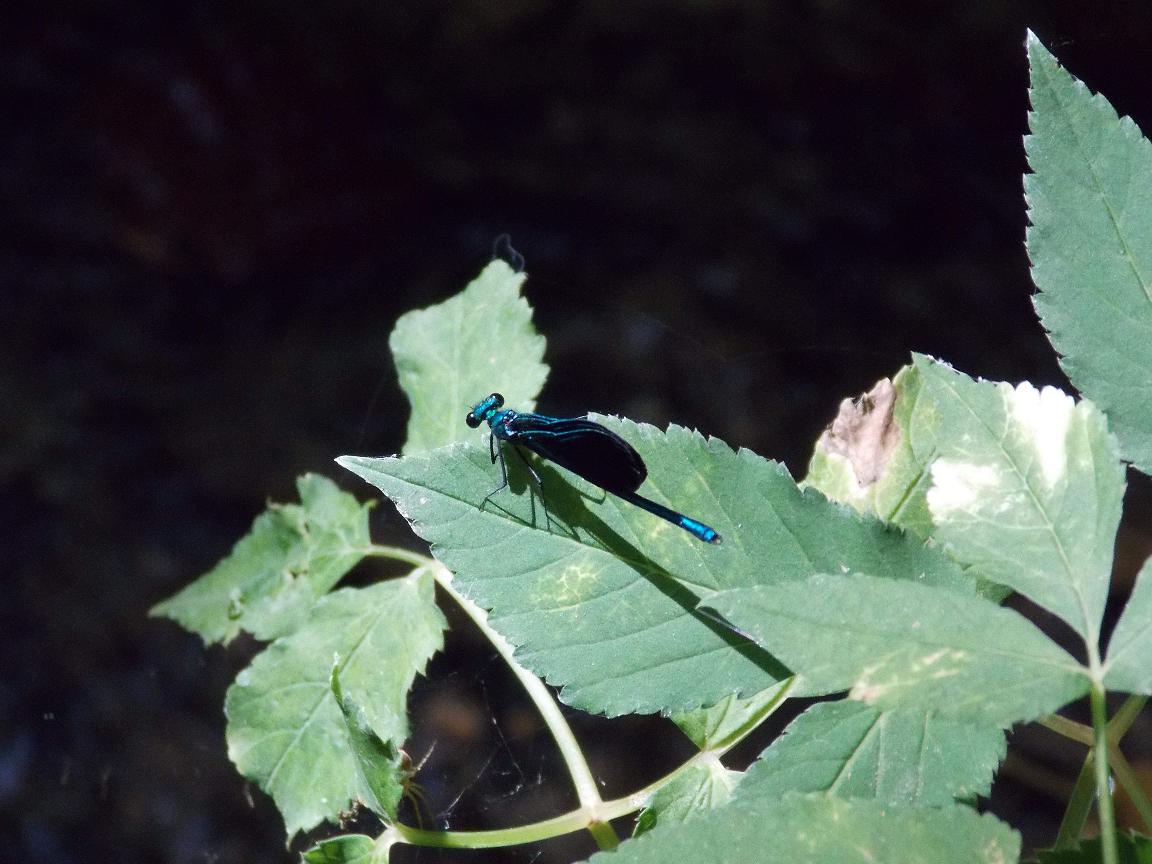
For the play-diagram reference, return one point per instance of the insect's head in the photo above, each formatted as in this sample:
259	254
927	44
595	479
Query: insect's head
484	409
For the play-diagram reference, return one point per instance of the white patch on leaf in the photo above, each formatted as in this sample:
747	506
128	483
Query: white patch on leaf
958	486
1043	416
910	672
929	659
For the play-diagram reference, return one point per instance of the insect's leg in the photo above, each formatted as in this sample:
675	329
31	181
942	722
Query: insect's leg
414	794
531	470
416	768
539	485
492	448
497	449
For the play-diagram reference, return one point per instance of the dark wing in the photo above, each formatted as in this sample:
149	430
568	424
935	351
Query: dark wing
584	447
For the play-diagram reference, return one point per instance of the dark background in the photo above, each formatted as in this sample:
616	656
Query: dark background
734	214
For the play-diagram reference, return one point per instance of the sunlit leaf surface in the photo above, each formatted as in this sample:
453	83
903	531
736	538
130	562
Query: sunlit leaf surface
285	729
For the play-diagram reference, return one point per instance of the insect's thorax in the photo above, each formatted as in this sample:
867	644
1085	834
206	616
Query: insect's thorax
498	422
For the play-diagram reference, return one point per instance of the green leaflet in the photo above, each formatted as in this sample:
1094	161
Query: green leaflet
701	789
293	555
898	644
1090	204
822	828
1129	665
1022	485
900	756
378	760
451	355
1026	489
714	728
285	729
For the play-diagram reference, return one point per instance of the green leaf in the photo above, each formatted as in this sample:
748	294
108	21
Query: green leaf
729	719
904	645
1129	665
378	760
451	355
293	555
604	605
818	828
1090	204
1132	849
285	730
1026	487
348	849
701	788
853	750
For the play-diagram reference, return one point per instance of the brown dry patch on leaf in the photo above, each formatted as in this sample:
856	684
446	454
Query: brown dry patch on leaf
865	433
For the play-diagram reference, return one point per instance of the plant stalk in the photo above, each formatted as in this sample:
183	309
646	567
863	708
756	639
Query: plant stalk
1103	791
1130	783
1079	806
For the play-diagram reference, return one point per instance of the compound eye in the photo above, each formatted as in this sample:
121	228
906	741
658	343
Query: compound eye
472	420
497	399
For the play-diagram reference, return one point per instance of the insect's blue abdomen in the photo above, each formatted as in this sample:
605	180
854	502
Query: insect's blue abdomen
698	529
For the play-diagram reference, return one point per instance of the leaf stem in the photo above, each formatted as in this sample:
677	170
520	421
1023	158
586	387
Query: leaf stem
1080	801
1123	719
1069	729
396	553
1100	761
577	820
1079	806
1118	726
1127	778
604	834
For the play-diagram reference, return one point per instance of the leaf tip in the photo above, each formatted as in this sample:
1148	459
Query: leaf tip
356	464
1036	49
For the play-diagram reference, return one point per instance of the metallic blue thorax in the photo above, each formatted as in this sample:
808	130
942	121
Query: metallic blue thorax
499	421
500	424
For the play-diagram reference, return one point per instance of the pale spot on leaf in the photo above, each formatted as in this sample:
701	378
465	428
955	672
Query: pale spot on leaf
1044	416
958	486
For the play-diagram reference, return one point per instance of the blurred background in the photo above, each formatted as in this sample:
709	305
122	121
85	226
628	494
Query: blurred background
734	214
